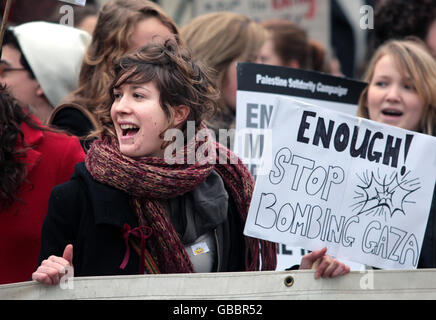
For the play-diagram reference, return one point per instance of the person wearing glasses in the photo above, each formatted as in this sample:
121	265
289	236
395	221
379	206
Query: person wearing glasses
40	64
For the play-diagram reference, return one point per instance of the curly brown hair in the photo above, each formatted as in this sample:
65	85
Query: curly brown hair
110	42
13	170
179	80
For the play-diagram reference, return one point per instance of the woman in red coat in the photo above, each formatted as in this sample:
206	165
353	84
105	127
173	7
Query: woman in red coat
32	161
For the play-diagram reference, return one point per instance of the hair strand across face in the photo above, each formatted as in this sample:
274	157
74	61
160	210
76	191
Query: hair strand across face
180	81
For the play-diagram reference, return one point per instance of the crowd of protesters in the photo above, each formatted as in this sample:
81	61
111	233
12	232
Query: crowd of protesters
84	112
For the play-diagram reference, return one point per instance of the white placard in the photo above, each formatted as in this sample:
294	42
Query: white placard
361	188
258	85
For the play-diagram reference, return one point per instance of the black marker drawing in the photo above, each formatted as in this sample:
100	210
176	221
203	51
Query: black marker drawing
383	196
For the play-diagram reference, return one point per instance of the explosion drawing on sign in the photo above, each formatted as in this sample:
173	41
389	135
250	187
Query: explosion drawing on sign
384	196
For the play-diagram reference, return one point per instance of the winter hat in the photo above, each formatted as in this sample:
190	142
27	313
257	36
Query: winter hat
55	53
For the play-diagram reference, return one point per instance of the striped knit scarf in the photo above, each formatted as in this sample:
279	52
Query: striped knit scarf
150	180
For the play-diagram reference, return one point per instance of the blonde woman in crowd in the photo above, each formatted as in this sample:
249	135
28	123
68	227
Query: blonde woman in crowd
220	40
401	92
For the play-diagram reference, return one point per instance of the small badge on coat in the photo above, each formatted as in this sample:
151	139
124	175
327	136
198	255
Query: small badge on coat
199	248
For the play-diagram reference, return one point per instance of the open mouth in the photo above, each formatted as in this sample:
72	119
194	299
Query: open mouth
129	130
392	112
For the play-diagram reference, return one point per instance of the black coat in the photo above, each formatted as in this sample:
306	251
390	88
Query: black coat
91	215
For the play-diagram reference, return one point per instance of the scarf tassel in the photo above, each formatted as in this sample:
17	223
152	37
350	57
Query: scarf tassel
153	179
143	233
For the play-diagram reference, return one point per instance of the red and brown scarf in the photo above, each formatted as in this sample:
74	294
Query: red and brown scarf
150	180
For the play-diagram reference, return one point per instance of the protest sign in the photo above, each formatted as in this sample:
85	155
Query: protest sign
258	85
312	15
361	188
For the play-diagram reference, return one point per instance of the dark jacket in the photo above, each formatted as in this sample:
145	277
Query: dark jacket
427	258
76	120
91	215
